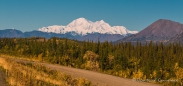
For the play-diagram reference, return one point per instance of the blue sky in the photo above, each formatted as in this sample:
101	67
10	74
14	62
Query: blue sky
28	15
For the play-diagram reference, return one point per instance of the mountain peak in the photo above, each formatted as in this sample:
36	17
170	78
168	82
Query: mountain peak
160	30
81	20
78	22
83	27
165	21
102	21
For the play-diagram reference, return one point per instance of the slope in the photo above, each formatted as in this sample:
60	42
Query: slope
160	31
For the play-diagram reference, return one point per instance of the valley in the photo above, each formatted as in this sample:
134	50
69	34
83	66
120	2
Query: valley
91	43
153	63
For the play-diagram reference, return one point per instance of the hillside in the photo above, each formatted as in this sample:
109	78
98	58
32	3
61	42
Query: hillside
160	31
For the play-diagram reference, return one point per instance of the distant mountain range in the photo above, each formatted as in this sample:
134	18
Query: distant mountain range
82	26
162	30
79	29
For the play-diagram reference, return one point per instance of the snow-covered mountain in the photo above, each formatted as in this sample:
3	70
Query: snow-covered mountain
82	26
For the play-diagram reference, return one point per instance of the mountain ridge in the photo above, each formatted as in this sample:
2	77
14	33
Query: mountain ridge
13	33
82	26
162	30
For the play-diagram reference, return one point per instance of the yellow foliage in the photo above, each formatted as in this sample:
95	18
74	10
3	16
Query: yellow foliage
121	73
138	75
88	65
179	74
110	57
176	66
127	72
91	56
91	60
40	57
83	82
19	73
167	75
154	74
91	65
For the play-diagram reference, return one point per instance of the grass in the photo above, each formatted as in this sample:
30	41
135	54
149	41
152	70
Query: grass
2	77
20	73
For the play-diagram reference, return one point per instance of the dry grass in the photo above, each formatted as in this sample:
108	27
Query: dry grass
19	73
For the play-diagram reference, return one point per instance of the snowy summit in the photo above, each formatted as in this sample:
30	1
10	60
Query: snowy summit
82	26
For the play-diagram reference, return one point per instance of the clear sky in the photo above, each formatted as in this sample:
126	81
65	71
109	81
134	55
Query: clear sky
28	15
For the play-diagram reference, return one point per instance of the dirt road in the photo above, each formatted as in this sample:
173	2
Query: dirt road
94	77
98	78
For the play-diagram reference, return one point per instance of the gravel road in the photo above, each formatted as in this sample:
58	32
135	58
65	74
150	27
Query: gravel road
95	77
98	78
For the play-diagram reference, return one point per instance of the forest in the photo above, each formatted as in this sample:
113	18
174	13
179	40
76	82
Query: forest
150	62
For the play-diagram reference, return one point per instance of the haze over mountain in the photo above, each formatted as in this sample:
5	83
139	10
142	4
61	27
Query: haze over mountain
161	30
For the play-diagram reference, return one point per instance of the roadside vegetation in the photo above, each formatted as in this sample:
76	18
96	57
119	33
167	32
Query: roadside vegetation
2	77
155	63
20	73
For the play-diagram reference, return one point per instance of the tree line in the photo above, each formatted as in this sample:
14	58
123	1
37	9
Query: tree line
149	61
